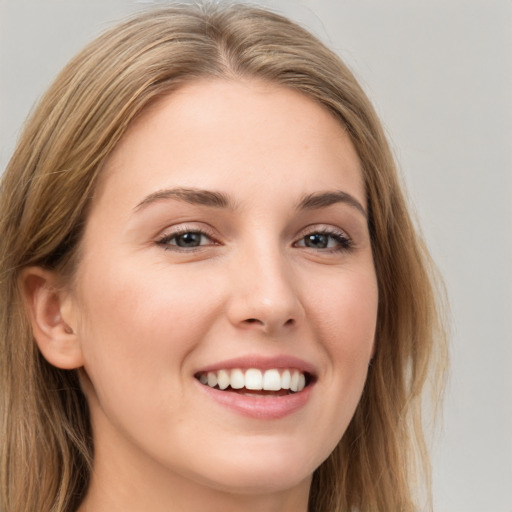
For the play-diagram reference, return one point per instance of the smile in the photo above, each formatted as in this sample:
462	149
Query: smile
273	380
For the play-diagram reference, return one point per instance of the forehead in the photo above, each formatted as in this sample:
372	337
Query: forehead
213	133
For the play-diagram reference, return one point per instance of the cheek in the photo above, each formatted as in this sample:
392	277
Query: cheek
137	331
152	300
344	321
346	315
137	323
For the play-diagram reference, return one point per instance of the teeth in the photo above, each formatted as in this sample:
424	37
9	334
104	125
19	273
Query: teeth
294	384
254	379
237	379
212	379
302	382
223	379
286	379
272	380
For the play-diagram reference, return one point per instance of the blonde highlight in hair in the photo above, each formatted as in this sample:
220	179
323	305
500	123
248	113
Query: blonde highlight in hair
47	446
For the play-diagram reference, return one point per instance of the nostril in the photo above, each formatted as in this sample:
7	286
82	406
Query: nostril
267	325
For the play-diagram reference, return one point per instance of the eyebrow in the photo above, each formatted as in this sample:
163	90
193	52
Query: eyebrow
189	195
324	199
215	199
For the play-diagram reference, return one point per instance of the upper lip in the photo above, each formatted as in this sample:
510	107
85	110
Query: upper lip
262	363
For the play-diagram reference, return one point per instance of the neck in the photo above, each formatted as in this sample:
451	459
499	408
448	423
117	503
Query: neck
178	494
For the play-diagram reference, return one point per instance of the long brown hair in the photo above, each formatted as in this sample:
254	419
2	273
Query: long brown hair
46	443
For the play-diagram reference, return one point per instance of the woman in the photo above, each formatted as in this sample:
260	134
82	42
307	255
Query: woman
213	296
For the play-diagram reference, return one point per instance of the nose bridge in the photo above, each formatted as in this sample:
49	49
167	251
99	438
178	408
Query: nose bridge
265	294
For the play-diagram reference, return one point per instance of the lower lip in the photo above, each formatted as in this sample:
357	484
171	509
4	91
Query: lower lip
264	408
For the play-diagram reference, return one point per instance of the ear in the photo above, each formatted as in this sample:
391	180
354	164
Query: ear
50	311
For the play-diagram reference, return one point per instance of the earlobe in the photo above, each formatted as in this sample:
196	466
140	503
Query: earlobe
52	323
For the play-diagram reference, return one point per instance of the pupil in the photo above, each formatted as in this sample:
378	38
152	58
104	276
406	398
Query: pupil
317	241
188	240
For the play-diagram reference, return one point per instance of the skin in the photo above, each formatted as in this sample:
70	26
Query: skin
144	315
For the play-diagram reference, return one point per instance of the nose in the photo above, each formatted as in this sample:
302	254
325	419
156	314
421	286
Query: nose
265	294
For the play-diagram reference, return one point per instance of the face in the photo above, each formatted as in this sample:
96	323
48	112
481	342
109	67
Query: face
227	247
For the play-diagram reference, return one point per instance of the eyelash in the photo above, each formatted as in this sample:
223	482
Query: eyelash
167	238
344	243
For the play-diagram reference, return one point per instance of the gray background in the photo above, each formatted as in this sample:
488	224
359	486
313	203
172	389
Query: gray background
440	75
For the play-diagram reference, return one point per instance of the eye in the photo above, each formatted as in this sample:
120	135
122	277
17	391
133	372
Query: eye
185	240
325	240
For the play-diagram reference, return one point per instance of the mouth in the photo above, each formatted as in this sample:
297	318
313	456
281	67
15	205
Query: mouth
273	382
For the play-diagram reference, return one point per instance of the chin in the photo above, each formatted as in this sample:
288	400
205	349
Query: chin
265	472
261	482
